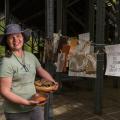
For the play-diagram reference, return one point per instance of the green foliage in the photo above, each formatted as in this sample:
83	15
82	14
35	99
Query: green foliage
2	51
114	1
2	25
27	46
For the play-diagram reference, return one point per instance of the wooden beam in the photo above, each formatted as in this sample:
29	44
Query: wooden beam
33	16
18	5
72	3
76	18
6	12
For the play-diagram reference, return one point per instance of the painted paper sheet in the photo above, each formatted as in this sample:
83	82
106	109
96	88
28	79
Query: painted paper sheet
113	60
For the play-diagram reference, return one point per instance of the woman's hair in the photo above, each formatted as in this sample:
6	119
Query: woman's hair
8	51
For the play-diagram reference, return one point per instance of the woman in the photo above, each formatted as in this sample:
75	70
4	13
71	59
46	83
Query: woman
17	74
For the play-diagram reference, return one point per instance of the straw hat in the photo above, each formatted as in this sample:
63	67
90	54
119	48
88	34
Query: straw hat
14	28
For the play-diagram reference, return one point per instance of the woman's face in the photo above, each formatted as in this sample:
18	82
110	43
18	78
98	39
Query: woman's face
15	41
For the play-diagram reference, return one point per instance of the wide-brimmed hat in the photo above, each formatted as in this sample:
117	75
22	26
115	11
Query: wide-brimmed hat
12	29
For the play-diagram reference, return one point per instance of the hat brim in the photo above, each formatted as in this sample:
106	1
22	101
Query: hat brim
26	33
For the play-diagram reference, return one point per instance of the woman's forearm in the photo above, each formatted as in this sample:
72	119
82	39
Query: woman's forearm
43	73
14	98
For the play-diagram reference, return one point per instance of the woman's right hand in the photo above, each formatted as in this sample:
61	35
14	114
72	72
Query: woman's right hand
33	102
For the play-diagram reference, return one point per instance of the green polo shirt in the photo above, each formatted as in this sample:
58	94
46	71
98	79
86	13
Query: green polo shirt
22	81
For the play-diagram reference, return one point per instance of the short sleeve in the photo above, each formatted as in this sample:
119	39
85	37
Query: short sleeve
37	63
6	69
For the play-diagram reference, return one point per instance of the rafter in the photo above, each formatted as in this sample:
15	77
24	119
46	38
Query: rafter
33	16
18	5
75	18
72	3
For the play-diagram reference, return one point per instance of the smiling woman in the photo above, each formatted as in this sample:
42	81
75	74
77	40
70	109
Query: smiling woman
15	41
17	69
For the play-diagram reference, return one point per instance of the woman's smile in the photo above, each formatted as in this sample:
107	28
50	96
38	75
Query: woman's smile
15	41
15	44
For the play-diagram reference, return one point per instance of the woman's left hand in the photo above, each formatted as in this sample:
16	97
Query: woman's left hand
56	86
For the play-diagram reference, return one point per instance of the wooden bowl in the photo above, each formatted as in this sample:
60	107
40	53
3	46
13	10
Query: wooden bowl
45	86
40	98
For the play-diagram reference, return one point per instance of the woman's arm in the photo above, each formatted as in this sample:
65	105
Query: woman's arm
44	74
5	88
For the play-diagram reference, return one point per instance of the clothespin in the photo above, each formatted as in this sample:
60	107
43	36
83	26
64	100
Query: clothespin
104	50
97	52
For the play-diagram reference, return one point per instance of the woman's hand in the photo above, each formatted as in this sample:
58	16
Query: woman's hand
56	86
37	99
32	102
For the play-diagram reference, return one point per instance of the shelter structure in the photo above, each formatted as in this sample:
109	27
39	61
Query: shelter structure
99	17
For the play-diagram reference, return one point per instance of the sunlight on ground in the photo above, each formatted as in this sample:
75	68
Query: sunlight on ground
64	108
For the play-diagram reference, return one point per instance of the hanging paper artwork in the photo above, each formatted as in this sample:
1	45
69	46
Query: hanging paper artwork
113	60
